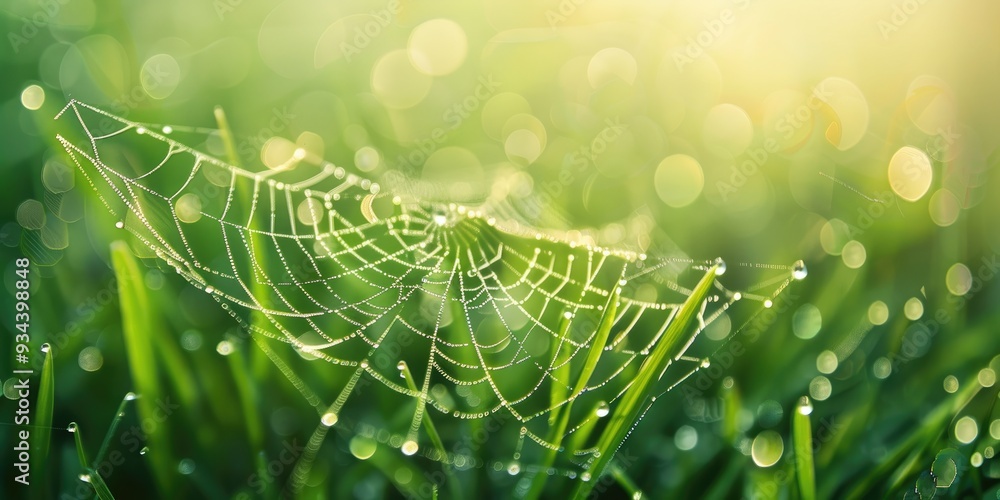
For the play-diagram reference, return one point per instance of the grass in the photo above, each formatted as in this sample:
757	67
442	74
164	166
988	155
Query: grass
636	399
142	329
802	444
45	405
875	434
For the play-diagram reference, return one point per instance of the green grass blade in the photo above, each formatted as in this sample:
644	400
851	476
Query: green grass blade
140	326
119	415
432	433
90	475
634	400
226	133
43	429
248	399
600	340
428	424
626	482
557	431
100	487
81	453
560	360
802	443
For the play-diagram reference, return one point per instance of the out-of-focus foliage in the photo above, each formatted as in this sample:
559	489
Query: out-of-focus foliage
858	136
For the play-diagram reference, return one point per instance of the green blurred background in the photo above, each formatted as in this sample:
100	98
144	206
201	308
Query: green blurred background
858	136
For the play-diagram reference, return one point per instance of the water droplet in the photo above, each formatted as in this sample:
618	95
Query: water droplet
686	438
401	365
167	129
140	130
144	450
966	430
805	405
768	303
120	224
799	270
987	377
603	409
440	218
514	468
71	427
585	477
329	418
827	362
705	363
224	348
186	466
951	384
767	448
737	296
637	495
209	289
721	266
926	486
85	478
410	447
130	396
45	347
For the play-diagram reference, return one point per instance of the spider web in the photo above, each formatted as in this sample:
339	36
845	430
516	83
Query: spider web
462	315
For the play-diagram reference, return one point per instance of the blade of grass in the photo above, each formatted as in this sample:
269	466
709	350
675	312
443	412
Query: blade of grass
626	482
895	466
802	443
258	361
433	434
90	476
248	399
393	467
140	326
78	438
43	432
561	373
557	432
100	487
249	402
226	134
119	415
633	402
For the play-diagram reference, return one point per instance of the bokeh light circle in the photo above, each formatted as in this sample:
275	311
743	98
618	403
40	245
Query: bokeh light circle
679	180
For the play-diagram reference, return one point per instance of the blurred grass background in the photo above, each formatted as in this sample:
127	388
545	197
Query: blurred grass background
788	117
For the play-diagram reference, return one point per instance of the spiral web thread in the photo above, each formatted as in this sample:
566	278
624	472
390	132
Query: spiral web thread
466	316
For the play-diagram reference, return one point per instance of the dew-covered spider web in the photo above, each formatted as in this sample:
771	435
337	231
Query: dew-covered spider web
360	296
